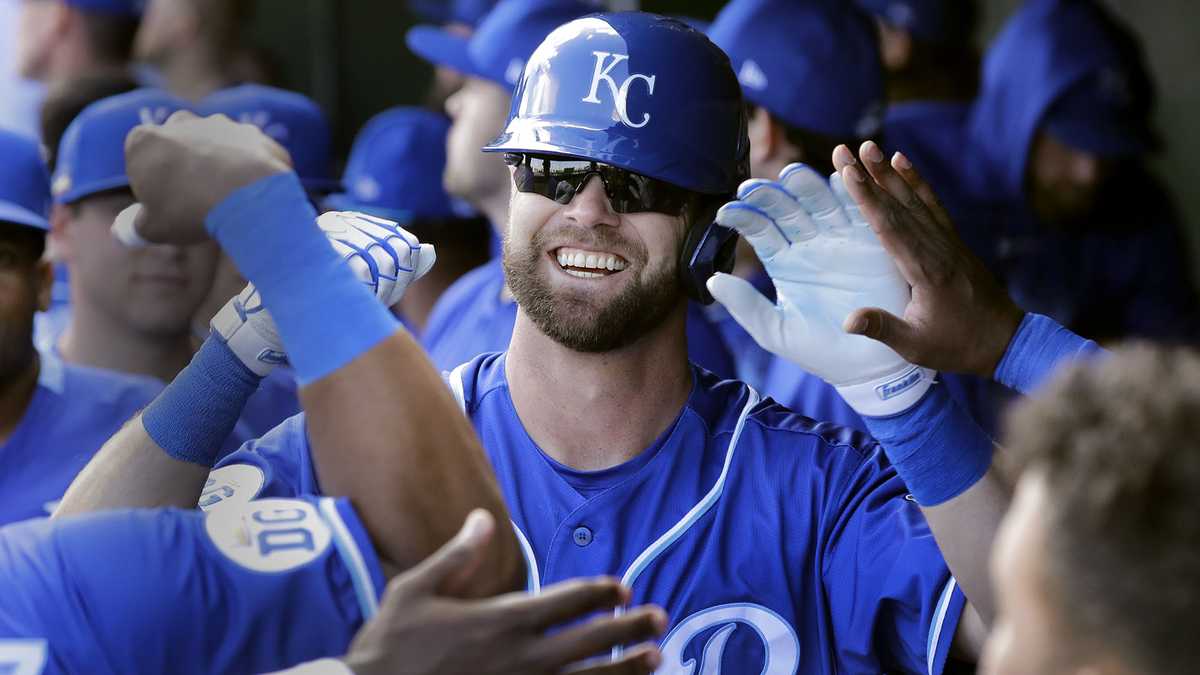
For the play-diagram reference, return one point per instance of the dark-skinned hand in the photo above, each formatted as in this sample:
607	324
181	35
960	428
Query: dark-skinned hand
959	319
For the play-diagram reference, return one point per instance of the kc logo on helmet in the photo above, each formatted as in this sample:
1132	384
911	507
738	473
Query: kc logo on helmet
620	93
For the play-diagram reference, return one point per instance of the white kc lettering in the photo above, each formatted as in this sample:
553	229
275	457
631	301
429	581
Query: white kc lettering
620	93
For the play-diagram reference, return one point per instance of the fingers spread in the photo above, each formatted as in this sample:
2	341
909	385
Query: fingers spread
922	189
600	634
640	660
782	208
565	601
759	230
812	191
884	175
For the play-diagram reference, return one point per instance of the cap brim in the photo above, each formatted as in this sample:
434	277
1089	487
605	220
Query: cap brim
441	47
19	215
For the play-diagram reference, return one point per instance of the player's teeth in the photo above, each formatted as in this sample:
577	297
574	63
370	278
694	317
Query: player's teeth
585	260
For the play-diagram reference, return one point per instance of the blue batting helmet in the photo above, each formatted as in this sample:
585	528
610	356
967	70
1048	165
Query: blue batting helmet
644	93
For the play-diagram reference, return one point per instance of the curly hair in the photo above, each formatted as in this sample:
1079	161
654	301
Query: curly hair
1118	443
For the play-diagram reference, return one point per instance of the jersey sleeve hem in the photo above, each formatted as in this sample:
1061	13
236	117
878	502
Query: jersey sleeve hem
946	617
356	551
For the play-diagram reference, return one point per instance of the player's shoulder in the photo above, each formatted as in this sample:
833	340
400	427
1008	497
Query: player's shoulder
771	432
97	386
476	380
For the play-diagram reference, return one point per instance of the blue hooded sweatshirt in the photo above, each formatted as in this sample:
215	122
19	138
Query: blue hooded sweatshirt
1124	277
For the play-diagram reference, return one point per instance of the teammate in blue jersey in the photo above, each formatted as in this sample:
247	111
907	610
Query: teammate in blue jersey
130	310
1057	198
771	540
57	415
286	581
927	48
477	314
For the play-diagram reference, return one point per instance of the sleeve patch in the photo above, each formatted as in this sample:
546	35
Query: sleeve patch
234	484
269	535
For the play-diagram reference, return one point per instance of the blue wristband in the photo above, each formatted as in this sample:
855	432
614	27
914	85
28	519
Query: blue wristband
1039	346
326	316
937	449
194	415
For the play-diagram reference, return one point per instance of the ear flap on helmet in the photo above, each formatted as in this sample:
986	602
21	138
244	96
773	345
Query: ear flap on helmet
708	248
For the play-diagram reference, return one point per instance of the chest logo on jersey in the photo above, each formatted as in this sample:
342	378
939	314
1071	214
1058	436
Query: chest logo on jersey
780	645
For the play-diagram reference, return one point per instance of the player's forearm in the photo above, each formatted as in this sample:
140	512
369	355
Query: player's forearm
1038	347
163	457
407	456
132	471
383	428
945	459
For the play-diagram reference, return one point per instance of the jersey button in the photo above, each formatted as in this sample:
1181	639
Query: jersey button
582	536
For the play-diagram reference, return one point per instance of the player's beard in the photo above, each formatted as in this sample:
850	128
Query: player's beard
575	320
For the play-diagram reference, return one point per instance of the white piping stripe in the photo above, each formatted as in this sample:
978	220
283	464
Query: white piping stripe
935	631
456	386
648	556
533	581
364	587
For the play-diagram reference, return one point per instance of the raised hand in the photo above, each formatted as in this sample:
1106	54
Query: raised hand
960	319
826	263
383	255
183	168
422	628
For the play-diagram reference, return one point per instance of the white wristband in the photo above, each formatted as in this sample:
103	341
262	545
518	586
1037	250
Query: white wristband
123	229
888	395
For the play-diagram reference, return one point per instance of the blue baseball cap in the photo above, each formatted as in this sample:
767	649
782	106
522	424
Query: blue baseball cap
91	155
131	8
24	187
815	64
294	120
395	169
939	21
1101	114
502	43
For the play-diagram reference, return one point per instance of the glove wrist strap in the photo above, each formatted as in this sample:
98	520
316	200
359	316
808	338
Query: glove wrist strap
888	395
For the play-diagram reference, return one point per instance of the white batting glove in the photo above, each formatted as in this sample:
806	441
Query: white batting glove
825	262
383	255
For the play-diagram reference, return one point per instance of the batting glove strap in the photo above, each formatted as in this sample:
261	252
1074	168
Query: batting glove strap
889	395
235	325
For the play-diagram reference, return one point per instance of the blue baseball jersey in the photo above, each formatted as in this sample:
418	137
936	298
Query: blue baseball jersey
476	316
74	410
248	588
782	380
776	544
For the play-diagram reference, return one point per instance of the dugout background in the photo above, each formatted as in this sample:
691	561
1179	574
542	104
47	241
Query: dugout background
350	56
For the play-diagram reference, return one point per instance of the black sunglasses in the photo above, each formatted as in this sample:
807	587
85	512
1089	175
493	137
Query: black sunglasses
560	179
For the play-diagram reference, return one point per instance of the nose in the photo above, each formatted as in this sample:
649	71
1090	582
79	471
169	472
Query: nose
453	104
590	206
1085	169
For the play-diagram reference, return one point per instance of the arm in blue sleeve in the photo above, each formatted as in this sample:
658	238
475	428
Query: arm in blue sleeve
325	315
1040	346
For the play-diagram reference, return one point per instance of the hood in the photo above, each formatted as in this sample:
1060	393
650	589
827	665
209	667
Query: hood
1044	49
